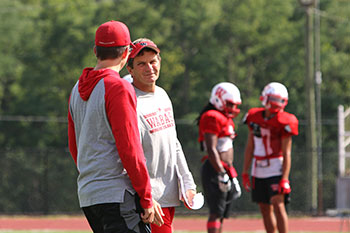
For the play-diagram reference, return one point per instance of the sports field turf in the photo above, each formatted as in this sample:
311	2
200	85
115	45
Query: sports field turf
78	224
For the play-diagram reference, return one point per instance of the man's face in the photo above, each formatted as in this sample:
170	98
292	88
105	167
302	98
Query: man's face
145	71
231	110
275	103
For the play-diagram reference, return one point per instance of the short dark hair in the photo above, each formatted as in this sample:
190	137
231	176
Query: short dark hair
104	53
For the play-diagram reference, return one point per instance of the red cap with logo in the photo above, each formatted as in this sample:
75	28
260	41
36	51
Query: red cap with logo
136	48
112	34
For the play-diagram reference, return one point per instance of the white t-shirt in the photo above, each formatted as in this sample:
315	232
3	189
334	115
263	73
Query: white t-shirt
161	147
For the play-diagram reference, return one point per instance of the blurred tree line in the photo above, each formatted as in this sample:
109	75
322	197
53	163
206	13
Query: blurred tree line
45	44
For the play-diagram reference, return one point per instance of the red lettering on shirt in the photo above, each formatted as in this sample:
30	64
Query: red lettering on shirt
160	120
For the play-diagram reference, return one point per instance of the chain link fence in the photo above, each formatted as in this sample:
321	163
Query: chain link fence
43	180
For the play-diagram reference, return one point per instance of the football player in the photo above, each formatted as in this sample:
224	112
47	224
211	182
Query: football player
268	154
216	135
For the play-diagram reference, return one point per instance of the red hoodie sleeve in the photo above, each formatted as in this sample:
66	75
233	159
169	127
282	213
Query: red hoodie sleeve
71	136
121	111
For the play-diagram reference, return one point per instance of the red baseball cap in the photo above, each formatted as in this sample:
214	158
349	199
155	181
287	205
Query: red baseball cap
136	48
112	34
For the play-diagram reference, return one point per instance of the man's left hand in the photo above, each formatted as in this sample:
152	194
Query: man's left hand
190	193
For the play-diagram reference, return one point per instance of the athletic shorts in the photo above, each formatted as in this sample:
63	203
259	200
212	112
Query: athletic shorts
265	188
219	203
168	218
117	217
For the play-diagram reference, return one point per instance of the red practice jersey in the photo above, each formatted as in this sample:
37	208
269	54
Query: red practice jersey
268	135
215	122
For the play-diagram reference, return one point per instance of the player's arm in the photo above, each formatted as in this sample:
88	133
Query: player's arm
211	141
290	123
286	150
248	157
210	126
284	186
224	181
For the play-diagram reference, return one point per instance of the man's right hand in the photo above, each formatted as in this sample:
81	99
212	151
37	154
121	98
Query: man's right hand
246	182
158	213
148	215
153	215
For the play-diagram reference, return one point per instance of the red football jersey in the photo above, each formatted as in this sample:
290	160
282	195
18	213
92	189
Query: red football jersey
268	135
217	123
271	130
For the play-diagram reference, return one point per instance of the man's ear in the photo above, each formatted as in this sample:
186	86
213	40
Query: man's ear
125	53
95	49
129	69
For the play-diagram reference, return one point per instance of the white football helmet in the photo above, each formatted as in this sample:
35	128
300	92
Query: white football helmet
222	95
274	97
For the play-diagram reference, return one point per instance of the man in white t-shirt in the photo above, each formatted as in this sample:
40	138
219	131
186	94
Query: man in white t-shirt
165	159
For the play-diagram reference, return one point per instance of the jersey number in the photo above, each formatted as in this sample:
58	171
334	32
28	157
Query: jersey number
266	138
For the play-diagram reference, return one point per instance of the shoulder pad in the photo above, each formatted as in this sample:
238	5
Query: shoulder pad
255	110
214	115
289	122
250	114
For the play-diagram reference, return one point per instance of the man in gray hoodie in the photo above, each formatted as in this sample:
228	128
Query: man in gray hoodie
113	184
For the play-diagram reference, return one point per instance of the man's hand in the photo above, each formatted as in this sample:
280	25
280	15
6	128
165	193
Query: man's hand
148	215
158	213
224	182
284	187
190	193
246	182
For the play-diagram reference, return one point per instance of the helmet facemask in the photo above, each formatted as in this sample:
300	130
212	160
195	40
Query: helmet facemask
275	103
231	109
274	97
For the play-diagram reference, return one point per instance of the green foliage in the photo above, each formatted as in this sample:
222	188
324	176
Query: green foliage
45	44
